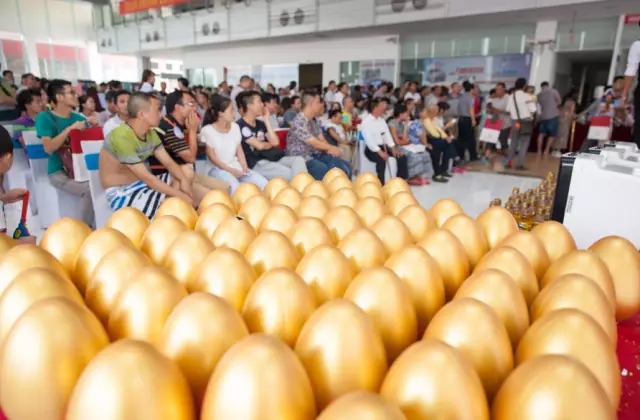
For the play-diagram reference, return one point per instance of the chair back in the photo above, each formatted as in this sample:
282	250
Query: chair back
76	138
91	156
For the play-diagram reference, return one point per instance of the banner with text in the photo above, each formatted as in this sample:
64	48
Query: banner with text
134	6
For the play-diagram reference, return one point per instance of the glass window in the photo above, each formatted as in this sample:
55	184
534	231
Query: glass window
587	35
168	66
98	20
350	72
12	53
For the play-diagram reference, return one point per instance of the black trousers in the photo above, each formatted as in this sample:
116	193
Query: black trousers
636	106
381	164
466	138
442	152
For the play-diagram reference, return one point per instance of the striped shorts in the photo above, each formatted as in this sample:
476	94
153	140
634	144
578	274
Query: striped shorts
137	195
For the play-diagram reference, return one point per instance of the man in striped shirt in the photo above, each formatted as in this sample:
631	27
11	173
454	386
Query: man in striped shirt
30	104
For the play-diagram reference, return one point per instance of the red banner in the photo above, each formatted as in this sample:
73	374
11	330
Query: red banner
633	19
135	6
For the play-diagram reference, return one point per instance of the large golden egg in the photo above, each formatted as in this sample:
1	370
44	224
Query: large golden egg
400	201
502	294
573	333
556	387
259	378
6	243
586	263
370	210
623	261
278	304
160	234
201	328
130	379
29	287
380	293
452	260
393	233
338	183
279	218
316	188
313	206
555	238
513	263
342	351
43	355
210	219
174	206
216	197
420	272
575	291
144	304
369	189
244	192
272	250
497	225
309	233
131	222
23	257
363	249
474	328
417	220
428	381
63	240
530	246
361	405
234	233
367	177
443	210
341	221
394	186
289	197
254	210
300	181
334	173
224	273
112	274
470	235
343	197
274	186
327	271
185	254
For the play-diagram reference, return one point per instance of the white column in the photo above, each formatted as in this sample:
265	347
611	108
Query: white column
543	65
615	57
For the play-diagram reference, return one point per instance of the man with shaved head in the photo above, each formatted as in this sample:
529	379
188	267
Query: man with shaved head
124	172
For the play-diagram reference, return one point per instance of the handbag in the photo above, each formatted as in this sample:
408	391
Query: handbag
272	155
66	157
525	127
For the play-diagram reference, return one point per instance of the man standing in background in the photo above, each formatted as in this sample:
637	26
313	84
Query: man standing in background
549	100
245	84
633	70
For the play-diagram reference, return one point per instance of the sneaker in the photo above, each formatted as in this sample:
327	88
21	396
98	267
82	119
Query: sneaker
415	181
425	181
447	174
440	178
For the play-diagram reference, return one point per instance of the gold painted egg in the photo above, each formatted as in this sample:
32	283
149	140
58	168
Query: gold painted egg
341	221
131	222
212	217
244	192
174	206
555	238
23	257
530	246
216	197
309	233
497	225
6	243
63	239
393	233
327	272
417	220
334	173
369	189
367	177
185	254
316	188
279	218
313	206
234	233
289	197
271	250
300	181
274	186
160	235
370	210
361	405
363	249
254	210
394	186
400	201
470	235
343	197
443	210
338	183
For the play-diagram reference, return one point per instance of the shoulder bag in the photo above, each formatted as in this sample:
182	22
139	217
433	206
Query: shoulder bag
525	127
66	157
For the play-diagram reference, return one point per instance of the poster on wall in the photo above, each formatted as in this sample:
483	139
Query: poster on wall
372	72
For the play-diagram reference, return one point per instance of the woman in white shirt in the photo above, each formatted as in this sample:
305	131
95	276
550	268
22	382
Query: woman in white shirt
224	149
148	80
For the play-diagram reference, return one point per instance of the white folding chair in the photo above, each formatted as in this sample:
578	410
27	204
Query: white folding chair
365	165
19	176
91	154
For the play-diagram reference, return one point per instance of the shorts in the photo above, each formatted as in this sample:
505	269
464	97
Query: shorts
549	127
137	195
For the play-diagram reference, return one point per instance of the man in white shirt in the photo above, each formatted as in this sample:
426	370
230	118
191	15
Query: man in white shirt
329	96
633	70
413	93
379	144
122	114
343	91
522	108
245	83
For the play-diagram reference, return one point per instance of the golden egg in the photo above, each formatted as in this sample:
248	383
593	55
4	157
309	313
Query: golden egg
131	379
470	235
586	263
502	294
244	192
254	210
131	222
338	183
380	293
174	206
361	405
334	173
6	243
63	240
370	210
278	304
234	233
23	257
43	356
393	233
216	197
144	304
300	181
274	186
512	262
342	351
417	220
343	197
185	254
309	233
159	236
400	201
29	287
313	206
428	380
272	250
259	378
369	189
367	177
497	225
288	197
279	218
573	333
443	210
201	328
575	291
327	272
555	238
341	221
209	221
112	274
363	249
531	248
449	253
316	188
474	328
552	387
394	186
623	261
